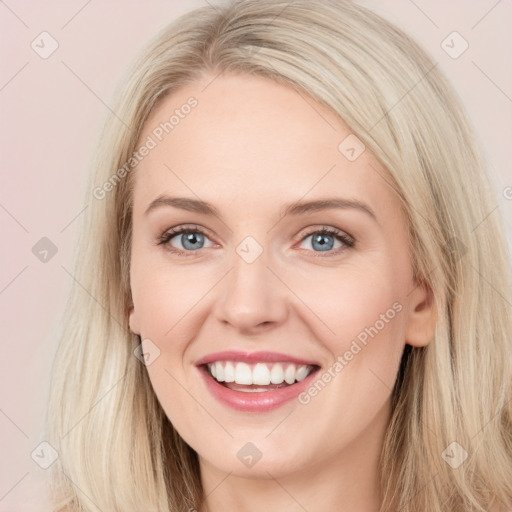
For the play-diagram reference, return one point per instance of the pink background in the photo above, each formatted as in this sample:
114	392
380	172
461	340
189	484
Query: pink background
51	111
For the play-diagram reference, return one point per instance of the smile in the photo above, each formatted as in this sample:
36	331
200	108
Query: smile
255	382
260	375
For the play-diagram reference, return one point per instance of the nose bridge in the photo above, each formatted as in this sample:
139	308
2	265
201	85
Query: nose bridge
252	295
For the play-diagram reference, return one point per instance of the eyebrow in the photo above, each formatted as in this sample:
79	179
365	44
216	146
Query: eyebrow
296	208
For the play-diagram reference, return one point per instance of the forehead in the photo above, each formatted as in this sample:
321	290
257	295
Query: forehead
248	141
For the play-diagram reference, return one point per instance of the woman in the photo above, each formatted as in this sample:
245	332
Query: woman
290	299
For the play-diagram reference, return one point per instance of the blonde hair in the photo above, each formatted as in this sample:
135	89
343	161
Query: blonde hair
118	451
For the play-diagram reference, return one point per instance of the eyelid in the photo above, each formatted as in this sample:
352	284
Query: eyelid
345	238
319	228
183	228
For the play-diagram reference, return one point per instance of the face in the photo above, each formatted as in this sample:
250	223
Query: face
292	282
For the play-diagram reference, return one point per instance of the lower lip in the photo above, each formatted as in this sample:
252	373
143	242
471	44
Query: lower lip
256	401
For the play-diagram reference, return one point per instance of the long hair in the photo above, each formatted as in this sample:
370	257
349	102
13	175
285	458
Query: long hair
117	449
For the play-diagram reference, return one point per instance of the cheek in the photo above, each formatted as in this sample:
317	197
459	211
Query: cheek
354	390
166	296
356	304
168	306
366	318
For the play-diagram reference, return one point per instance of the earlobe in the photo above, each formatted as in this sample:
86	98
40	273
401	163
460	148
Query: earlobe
422	319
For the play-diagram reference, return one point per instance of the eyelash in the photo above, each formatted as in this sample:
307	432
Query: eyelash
168	235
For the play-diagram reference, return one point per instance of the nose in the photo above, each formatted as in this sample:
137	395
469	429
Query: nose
253	298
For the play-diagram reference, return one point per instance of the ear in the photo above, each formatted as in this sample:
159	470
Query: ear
133	321
422	319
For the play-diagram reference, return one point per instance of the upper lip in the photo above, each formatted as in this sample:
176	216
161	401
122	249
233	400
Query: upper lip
253	357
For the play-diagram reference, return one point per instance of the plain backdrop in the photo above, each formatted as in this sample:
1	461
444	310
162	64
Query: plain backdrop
51	111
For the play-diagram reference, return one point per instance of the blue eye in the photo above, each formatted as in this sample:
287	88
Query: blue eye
193	239
323	240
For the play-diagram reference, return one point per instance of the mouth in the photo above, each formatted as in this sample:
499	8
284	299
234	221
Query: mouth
256	382
259	377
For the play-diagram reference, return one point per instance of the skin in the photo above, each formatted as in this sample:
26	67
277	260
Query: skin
250	147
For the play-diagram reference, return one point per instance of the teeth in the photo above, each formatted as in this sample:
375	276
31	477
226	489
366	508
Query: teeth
277	374
229	372
290	373
261	374
302	373
243	374
219	371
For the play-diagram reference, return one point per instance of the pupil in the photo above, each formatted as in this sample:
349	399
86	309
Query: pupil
191	238
323	244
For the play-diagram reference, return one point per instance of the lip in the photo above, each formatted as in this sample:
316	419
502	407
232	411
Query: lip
253	357
263	401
